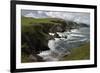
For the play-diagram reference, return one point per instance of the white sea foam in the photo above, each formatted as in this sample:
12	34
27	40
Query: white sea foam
62	46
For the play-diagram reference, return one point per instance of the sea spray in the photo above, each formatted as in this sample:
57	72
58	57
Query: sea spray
60	47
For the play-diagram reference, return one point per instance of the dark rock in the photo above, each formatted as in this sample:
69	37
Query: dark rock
35	58
56	35
35	36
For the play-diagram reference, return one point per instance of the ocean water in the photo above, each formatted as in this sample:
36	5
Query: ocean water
62	46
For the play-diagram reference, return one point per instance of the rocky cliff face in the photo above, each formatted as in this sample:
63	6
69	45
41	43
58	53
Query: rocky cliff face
35	32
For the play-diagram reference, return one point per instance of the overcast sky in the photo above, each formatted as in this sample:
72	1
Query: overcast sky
74	16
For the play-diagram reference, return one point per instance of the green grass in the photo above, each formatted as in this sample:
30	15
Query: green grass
24	58
80	53
30	21
34	28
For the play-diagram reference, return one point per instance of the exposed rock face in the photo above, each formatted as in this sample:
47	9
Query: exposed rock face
35	58
56	35
37	39
35	36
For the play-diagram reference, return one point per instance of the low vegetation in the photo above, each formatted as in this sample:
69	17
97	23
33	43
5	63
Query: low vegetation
80	53
35	36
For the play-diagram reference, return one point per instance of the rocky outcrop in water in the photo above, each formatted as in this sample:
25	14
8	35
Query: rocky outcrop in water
35	58
35	35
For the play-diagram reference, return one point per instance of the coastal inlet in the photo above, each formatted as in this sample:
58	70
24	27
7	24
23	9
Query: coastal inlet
53	39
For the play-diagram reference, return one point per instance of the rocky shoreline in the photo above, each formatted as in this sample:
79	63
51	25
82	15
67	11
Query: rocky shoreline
35	36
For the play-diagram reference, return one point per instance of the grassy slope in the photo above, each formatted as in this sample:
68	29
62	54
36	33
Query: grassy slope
24	58
80	53
29	21
27	26
31	24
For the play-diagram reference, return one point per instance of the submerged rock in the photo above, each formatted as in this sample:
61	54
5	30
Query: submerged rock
35	33
35	58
